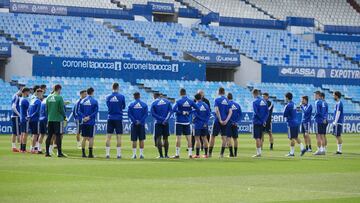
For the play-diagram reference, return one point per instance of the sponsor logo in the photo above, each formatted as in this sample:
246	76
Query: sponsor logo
224	102
305	72
4	49
202	108
87	103
186	104
220	58
137	106
114	99
118	66
161	102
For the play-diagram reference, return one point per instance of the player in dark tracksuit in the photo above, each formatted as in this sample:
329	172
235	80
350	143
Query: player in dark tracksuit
24	120
34	119
182	110
138	112
206	101
88	111
338	121
261	113
161	110
233	126
201	125
116	105
290	114
268	126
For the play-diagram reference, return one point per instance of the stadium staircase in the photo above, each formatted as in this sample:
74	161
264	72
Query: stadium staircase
260	9
151	91
354	4
136	40
219	42
15	41
188	6
341	55
118	3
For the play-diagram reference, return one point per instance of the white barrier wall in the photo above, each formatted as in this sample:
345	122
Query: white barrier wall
249	71
19	64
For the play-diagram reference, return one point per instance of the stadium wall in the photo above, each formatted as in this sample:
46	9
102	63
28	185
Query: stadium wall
108	68
248	71
19	64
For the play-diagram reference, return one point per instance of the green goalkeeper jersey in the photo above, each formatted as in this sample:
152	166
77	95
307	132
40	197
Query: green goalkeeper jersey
55	108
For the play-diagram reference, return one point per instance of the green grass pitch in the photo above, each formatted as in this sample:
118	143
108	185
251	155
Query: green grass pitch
271	178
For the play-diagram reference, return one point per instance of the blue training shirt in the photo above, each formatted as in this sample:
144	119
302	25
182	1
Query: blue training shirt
76	108
325	110
222	103
339	113
291	115
43	114
15	105
201	115
24	106
161	110
306	113
88	107
184	105
116	104
260	110
236	112
318	117
34	110
137	112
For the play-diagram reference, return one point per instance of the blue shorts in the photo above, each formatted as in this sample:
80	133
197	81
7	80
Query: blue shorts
219	129
43	127
15	125
305	127
78	127
115	126
181	129
337	130
201	132
24	127
233	131
161	130
258	131
34	127
88	130
320	128
137	132
293	132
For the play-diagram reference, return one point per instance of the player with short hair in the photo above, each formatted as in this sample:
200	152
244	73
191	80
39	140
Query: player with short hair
306	110
56	117
34	116
138	112
88	111
233	128
43	88
338	121
320	124
75	112
268	126
290	114
182	109
115	103
24	120
223	114
161	110
201	128
15	119
325	116
260	115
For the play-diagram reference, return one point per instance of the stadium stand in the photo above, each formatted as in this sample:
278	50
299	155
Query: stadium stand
78	3
350	49
129	3
6	93
72	37
72	86
171	38
327	12
278	90
276	47
229	8
350	91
